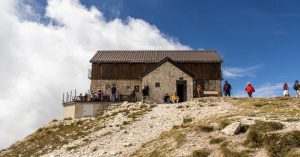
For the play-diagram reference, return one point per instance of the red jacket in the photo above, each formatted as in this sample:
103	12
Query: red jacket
249	89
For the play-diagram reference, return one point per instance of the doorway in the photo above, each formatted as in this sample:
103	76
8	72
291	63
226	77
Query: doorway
181	90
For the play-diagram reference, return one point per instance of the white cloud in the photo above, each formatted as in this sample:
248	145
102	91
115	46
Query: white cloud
41	61
229	72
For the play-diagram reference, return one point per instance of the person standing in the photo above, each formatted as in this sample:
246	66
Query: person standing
113	93
144	93
199	90
297	88
249	90
227	89
286	90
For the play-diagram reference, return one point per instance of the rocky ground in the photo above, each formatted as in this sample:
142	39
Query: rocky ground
200	127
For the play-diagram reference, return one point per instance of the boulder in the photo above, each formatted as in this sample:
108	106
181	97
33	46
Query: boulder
232	129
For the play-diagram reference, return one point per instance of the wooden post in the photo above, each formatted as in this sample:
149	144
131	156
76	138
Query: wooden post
67	99
63	98
71	97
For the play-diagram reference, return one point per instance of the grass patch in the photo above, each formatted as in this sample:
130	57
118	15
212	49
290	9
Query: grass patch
178	136
156	153
187	119
216	140
71	148
201	153
45	140
204	128
229	153
125	123
279	145
263	126
137	114
225	122
257	131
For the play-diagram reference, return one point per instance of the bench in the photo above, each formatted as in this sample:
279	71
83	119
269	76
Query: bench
211	93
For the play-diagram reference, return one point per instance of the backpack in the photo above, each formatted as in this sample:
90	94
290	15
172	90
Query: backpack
296	87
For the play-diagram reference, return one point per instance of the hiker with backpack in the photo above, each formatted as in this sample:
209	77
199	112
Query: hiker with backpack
249	90
113	93
297	88
286	92
227	89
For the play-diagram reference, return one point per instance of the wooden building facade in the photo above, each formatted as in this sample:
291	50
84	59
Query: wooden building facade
127	69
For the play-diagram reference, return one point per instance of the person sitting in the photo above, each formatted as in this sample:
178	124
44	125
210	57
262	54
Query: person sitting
99	95
166	98
174	98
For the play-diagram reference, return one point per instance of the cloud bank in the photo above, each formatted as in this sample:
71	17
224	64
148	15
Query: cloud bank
39	61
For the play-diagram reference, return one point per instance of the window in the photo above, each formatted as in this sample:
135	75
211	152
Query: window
157	84
136	88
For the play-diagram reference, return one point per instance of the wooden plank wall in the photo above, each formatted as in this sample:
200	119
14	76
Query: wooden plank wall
129	71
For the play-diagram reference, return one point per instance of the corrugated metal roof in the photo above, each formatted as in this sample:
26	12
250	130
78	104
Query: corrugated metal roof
154	56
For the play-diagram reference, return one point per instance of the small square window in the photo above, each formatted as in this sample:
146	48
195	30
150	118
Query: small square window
157	84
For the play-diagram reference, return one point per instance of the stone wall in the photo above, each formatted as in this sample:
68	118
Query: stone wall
213	85
166	75
69	111
75	110
123	86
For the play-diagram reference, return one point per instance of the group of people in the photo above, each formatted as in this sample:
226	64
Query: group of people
249	89
296	87
173	99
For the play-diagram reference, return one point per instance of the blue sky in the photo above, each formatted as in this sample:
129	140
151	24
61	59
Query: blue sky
262	35
258	39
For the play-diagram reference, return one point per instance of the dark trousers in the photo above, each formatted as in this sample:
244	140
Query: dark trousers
250	94
227	93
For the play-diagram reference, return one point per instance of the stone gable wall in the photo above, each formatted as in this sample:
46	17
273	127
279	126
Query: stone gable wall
166	74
